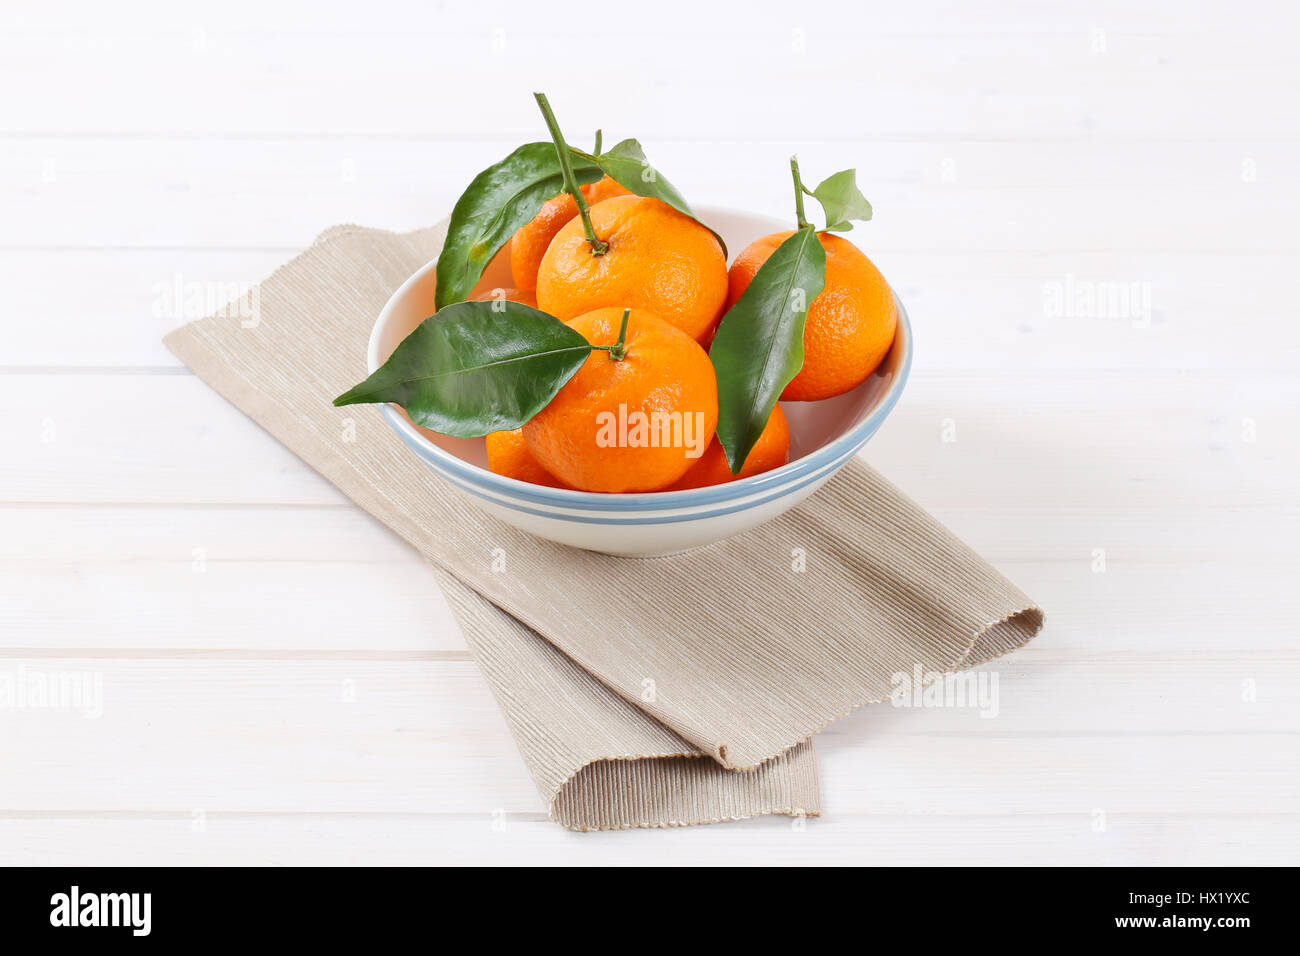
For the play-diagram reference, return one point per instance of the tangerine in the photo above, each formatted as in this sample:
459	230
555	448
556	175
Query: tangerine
772	450
659	260
528	244
850	326
508	455
630	423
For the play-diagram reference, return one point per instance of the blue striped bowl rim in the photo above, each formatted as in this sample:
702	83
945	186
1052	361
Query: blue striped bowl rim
659	506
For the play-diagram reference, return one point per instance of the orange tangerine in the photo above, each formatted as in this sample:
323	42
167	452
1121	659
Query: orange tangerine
508	455
630	424
850	325
658	259
529	242
772	450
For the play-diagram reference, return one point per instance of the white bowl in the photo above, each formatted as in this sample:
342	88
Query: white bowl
823	437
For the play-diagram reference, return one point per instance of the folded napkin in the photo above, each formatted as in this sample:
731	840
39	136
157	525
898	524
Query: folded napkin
641	692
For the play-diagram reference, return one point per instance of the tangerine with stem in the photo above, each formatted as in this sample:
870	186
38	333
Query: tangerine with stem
638	413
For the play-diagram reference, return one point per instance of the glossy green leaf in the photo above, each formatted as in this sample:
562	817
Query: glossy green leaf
476	367
502	198
759	345
842	201
626	164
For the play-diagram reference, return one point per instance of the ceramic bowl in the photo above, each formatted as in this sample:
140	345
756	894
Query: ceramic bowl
823	437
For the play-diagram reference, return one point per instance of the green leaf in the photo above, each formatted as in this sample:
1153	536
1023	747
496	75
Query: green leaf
500	199
759	344
476	367
842	200
625	163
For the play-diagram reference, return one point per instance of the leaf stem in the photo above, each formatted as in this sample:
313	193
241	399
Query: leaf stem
598	248
619	351
798	194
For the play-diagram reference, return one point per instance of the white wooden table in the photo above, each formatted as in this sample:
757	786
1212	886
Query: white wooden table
1129	461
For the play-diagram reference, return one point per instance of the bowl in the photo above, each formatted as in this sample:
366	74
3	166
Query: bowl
823	437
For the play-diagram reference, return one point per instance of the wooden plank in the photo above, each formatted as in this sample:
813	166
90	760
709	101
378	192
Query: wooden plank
1080	443
1057	83
1197	20
137	445
494	839
265	735
949	198
282	736
54	536
333	581
121	305
988	310
207	603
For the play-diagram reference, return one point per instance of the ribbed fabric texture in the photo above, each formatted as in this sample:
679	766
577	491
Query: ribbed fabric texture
623	769
653	692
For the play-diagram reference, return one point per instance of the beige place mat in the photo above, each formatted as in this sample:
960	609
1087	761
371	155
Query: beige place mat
655	692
